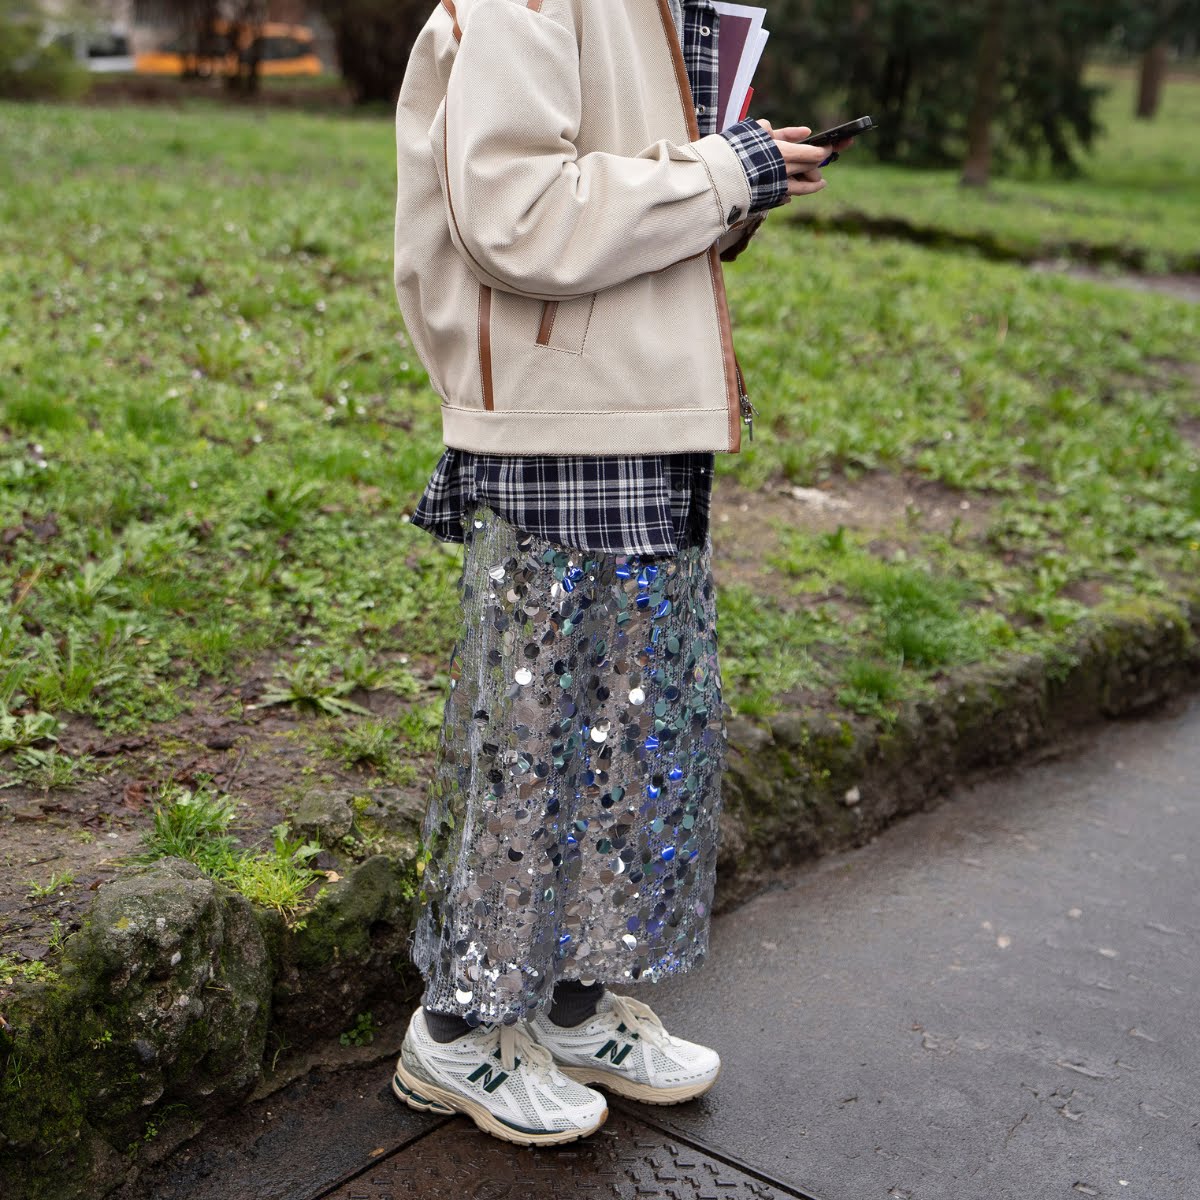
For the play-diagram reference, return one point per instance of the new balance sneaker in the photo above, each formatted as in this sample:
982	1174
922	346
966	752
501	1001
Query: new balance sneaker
625	1049
500	1078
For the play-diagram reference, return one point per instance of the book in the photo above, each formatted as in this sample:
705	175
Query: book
740	41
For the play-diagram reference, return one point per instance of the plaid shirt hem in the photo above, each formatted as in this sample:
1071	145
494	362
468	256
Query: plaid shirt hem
650	505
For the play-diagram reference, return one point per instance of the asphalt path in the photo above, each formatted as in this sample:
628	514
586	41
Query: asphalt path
996	999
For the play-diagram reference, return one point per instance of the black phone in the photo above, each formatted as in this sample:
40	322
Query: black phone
839	133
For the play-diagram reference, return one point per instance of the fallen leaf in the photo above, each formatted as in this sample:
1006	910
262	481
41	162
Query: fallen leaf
134	794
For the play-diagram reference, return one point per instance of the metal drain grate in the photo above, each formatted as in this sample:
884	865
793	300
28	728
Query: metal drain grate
626	1160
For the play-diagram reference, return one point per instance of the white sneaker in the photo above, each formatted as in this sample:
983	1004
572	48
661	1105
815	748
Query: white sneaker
499	1077
625	1049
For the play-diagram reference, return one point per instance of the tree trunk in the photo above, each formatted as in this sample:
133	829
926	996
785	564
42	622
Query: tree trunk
1150	81
977	169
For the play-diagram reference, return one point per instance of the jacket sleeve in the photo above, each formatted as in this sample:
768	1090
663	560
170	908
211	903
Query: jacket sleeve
528	212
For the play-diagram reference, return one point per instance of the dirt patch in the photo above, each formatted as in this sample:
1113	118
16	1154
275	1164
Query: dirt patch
79	838
998	247
1183	285
746	524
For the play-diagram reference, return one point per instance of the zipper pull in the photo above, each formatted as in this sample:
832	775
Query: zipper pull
748	412
748	409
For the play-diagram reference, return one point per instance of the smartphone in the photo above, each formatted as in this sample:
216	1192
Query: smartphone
839	133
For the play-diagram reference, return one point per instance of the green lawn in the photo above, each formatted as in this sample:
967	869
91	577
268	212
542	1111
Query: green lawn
213	425
1140	191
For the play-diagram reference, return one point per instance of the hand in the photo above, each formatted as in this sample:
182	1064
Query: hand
803	162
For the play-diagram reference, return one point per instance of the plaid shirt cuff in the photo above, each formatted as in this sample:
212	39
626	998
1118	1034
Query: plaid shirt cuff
764	165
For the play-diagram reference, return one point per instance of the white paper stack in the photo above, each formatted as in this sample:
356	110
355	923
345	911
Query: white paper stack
741	38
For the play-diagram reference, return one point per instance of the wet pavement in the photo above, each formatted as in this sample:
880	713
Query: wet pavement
994	1000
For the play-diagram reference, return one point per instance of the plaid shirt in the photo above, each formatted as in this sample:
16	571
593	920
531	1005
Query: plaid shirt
649	504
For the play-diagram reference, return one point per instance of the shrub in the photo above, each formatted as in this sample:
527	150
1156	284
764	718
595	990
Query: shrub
31	67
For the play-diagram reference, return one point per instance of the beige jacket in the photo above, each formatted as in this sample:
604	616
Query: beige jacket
559	226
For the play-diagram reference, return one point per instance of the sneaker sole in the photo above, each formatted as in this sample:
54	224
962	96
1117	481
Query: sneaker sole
629	1090
428	1097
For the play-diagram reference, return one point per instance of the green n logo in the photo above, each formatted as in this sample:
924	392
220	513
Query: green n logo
487	1079
613	1050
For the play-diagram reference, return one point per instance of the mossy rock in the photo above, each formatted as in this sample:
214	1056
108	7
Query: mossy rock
162	1005
349	955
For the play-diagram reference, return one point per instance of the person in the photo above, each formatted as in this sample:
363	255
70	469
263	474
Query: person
564	204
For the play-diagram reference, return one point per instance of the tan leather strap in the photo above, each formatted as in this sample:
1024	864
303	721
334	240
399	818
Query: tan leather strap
549	311
681	75
485	346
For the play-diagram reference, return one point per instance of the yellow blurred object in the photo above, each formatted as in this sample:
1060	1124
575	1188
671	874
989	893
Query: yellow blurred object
281	50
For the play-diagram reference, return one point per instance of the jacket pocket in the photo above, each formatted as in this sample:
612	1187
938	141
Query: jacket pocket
564	324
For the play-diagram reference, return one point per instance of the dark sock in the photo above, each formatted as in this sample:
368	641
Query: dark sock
574	1002
445	1027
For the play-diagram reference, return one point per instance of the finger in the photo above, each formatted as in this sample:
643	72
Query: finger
766	125
793	133
800	158
805	187
800	151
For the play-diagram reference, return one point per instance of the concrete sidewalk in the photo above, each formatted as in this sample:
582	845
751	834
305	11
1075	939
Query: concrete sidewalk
996	999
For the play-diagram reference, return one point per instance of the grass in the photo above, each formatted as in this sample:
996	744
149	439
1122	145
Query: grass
1061	409
194	825
214	428
1140	191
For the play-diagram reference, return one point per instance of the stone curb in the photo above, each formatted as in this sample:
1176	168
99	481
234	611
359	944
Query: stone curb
810	783
177	999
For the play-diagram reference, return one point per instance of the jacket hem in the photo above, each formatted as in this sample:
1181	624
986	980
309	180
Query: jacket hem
657	431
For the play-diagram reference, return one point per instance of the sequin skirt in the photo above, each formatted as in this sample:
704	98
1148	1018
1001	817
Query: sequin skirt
573	815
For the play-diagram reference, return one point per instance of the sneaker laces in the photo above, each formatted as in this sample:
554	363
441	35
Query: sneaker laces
641	1019
516	1041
